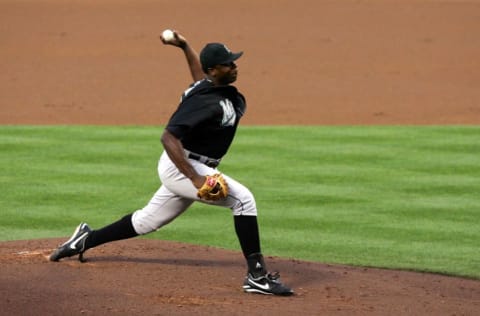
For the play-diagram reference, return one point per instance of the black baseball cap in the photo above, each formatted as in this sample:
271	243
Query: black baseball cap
216	54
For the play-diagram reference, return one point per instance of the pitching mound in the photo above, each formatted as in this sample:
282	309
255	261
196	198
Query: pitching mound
150	277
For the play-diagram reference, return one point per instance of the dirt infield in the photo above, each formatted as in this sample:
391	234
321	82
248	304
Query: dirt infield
147	277
305	62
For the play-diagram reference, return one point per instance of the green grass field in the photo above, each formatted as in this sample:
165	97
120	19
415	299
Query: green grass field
383	196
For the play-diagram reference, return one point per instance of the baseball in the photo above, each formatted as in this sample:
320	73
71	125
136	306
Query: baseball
168	35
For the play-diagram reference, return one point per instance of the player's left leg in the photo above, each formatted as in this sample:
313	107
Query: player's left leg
242	203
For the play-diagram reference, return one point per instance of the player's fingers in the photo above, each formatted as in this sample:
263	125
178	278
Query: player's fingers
178	37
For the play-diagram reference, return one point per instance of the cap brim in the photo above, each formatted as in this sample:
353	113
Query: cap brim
233	57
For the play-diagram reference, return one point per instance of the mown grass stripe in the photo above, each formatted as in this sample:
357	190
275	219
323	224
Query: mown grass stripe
387	196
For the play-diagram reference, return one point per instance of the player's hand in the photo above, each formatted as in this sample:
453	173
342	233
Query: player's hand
178	41
214	188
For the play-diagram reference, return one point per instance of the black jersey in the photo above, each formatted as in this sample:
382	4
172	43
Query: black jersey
207	118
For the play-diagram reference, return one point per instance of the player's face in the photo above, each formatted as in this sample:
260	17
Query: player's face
226	73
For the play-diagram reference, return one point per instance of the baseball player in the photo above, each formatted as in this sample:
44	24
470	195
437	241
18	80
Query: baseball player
195	139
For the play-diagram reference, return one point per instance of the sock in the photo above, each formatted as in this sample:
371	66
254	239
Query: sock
246	228
256	265
121	229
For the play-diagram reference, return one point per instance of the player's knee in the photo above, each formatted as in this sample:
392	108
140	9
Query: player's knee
141	226
244	204
145	223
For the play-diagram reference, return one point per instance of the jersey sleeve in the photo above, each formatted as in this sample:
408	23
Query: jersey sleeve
190	113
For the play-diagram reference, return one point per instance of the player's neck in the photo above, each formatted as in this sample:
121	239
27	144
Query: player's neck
216	82
213	80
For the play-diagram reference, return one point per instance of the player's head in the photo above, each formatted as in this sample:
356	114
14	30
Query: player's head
218	62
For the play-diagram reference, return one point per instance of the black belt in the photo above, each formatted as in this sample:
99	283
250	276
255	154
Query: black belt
210	162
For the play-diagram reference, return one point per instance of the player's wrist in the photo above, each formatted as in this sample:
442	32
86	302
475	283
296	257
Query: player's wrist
183	45
198	181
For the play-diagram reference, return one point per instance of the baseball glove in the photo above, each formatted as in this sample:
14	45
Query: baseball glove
214	188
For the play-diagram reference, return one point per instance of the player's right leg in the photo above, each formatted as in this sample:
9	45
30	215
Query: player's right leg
74	246
161	209
85	238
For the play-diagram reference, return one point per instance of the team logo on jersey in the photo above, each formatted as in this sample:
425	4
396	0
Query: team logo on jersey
229	114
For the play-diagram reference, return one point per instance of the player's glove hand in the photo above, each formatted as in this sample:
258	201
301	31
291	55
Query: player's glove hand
214	188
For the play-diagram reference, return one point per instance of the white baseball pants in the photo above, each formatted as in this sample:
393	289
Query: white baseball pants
177	193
